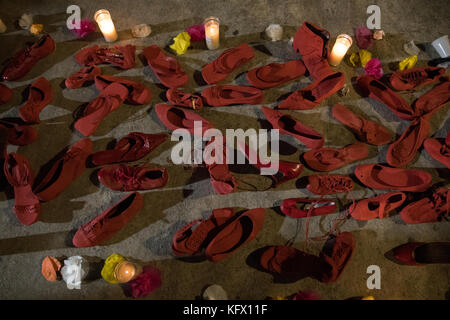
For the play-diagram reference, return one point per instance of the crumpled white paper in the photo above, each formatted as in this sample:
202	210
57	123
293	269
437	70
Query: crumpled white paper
72	272
274	32
25	21
215	292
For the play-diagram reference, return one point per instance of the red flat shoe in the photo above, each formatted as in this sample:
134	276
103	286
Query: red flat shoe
5	94
288	125
19	135
365	130
337	256
222	180
411	78
137	92
109	222
132	147
23	61
109	100
329	184
229	60
126	178
229	94
79	78
242	228
377	176
429	103
64	171
39	96
275	74
315	93
377	207
420	253
378	91
120	56
402	151
431	208
165	68
175	118
308	207
438	151
329	159
19	174
183	99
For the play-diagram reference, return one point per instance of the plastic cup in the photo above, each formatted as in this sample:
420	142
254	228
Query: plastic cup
442	46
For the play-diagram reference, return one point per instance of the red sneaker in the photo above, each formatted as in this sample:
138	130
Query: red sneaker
109	222
132	147
329	184
137	92
420	253
120	56
378	206
365	130
222	179
182	99
19	135
109	100
337	256
64	171
288	125
438	151
5	94
411	78
315	93
225	95
430	102
229	60
19	174
40	95
275	74
23	61
165	68
431	208
79	78
329	159
175	118
380	177
126	178
308	207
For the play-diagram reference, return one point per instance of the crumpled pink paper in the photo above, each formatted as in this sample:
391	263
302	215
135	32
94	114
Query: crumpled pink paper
364	37
86	27
196	32
373	68
148	281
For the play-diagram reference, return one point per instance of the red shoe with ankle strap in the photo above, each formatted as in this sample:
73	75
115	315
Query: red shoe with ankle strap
315	93
377	207
288	125
429	103
64	171
222	179
137	92
225	95
337	255
109	222
434	207
119	56
303	207
329	159
19	174
411	78
175	118
329	184
275	74
183	99
19	135
79	78
438	151
228	61
5	94
39	96
420	253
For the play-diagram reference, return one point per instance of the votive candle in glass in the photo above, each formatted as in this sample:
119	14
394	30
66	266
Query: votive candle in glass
126	271
340	48
106	25
212	32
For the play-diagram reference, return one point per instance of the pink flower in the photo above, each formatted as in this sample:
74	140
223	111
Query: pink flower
306	295
364	38
148	281
196	32
373	68
86	27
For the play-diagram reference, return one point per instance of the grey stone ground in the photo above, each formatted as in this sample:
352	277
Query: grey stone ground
188	195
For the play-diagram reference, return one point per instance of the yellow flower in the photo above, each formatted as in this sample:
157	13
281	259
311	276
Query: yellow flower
354	59
407	63
368	298
364	57
36	28
181	43
108	269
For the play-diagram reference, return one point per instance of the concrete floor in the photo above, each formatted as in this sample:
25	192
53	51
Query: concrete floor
188	194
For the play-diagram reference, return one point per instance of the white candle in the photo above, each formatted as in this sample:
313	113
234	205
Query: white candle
106	25
212	33
340	48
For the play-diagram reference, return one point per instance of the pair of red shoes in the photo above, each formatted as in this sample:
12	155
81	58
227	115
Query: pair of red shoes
39	96
5	94
440	151
120	56
217	237
421	253
18	134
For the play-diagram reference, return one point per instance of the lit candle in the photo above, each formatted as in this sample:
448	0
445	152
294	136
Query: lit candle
126	271
342	44
212	32
106	25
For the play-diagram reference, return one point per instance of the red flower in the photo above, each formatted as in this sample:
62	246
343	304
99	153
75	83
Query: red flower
364	38
86	27
148	281
196	32
373	68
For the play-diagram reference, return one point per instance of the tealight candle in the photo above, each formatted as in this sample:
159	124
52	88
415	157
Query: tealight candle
126	271
342	44
212	32
106	25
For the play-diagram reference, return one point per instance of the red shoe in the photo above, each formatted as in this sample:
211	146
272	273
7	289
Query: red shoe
329	159
308	207
338	256
377	207
5	94
430	102
120	56
19	174
229	94
315	93
275	74
109	222
137	92
109	100
402	151
380	177
40	95
288	125
431	208
378	91
165	68
438	151
329	184
175	118
229	60
19	135
132	147
182	99
411	78
420	253
222	179
64	171
365	130
23	61
78	79
126	178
